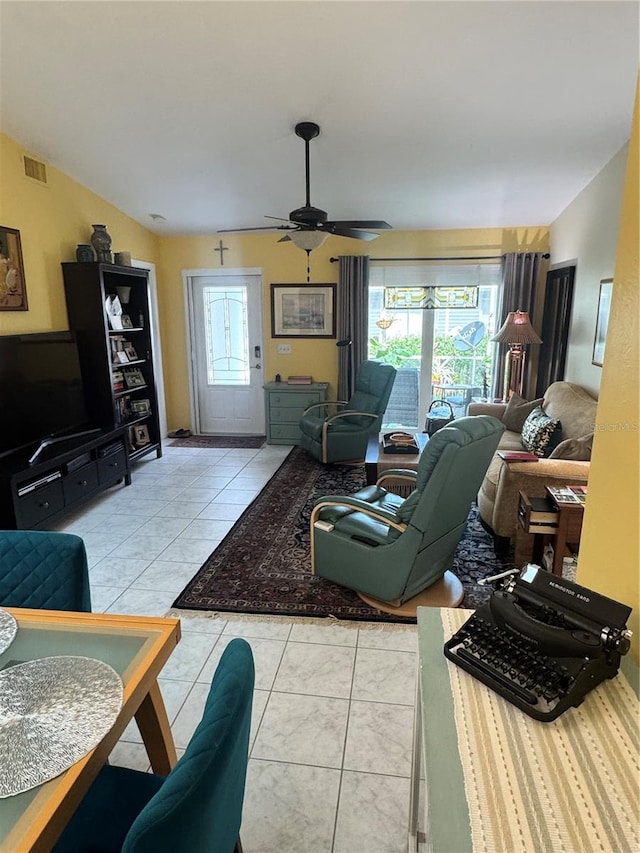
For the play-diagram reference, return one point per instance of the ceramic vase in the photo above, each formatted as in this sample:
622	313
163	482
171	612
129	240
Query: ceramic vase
101	242
84	253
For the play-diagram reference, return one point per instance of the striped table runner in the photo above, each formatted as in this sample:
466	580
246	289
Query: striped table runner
569	785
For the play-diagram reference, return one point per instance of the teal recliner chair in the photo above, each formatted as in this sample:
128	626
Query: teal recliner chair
394	552
338	431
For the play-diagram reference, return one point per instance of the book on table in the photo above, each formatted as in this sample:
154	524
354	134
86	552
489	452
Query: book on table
299	380
517	456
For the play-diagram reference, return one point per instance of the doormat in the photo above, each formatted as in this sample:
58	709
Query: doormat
264	563
248	442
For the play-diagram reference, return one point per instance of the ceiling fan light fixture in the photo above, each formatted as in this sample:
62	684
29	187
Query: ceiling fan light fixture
307	240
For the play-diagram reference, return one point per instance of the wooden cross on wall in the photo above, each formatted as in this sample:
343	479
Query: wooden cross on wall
222	249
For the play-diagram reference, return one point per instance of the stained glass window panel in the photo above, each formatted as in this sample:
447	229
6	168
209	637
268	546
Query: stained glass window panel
227	347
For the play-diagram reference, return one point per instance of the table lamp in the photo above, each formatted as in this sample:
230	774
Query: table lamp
516	331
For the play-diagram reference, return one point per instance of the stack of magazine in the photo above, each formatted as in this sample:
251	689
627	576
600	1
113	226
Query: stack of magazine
568	495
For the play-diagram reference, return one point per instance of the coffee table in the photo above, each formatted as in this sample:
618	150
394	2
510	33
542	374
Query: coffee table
376	461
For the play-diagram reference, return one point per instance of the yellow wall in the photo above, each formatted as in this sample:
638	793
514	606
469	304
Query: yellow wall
284	263
52	220
609	550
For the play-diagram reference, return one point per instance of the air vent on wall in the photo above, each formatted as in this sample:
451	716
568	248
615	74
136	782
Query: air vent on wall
35	169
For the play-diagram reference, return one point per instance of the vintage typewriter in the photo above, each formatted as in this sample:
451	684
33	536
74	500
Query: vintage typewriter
542	642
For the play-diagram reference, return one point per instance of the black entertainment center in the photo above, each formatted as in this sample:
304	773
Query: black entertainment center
65	475
53	454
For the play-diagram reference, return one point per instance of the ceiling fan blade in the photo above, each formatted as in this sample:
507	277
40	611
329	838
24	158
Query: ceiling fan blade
337	229
233	230
259	228
360	223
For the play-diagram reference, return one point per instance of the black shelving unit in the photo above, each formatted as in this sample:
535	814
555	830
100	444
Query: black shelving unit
120	389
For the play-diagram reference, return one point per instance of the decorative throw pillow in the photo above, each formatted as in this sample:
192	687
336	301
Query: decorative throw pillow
517	411
540	433
574	448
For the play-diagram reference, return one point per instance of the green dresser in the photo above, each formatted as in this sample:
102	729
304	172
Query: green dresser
285	405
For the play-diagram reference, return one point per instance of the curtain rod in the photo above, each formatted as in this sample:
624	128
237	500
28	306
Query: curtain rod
546	256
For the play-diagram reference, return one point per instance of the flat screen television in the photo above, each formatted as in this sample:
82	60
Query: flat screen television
41	392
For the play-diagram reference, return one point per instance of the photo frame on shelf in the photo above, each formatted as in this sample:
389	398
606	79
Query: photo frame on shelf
121	357
13	287
303	311
141	407
130	352
602	321
134	378
141	435
125	322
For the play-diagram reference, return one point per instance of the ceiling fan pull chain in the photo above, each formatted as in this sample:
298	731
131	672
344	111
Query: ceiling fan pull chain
308	251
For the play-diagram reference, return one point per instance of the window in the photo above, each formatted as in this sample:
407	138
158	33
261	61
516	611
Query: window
439	354
225	319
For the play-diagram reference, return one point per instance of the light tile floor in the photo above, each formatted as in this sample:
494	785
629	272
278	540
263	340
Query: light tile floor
333	703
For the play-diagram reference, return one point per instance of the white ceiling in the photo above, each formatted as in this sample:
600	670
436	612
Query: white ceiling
432	114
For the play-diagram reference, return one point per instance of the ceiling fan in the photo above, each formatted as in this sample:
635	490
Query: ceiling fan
308	225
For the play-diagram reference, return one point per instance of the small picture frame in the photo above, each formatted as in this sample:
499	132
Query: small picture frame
121	357
130	352
141	435
141	407
125	322
134	378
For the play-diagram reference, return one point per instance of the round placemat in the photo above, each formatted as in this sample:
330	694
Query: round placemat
53	711
8	630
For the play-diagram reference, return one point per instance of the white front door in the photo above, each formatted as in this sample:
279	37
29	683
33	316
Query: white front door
227	353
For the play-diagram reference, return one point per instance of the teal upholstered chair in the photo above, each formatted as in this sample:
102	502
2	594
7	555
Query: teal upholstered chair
389	549
43	570
338	431
198	807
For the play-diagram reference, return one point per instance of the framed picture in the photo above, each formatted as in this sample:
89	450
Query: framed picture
303	311
130	352
134	378
141	407
602	321
125	321
13	288
121	357
140	435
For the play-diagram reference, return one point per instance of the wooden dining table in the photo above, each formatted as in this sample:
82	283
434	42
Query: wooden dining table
137	647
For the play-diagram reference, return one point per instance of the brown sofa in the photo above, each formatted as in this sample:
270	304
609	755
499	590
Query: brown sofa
569	462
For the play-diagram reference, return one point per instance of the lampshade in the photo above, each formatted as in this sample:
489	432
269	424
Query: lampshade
517	329
308	240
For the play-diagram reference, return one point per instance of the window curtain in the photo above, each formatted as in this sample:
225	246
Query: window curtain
520	275
353	319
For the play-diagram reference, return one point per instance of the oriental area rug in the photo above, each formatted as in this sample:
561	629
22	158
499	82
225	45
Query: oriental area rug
264	565
250	442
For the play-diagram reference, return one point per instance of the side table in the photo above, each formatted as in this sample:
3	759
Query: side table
284	407
376	460
566	531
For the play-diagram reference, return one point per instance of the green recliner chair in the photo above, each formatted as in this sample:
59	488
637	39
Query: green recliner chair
389	549
338	431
